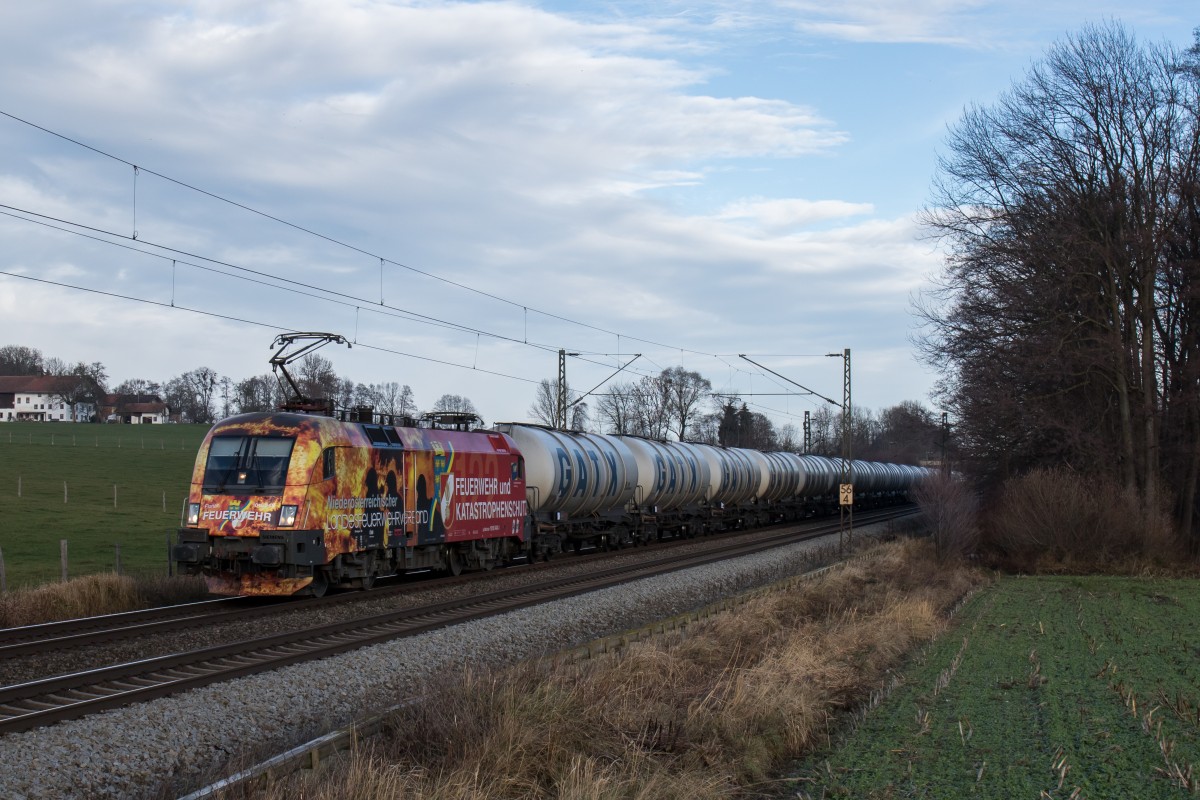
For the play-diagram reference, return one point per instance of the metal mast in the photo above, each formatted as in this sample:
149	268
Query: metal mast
560	408
846	492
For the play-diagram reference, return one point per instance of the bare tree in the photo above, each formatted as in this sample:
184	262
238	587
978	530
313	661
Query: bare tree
684	392
80	385
1065	209
316	378
138	387
259	393
454	402
789	439
17	359
193	394
579	417
617	409
544	408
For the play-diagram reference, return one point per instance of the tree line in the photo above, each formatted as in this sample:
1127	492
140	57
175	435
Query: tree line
680	404
203	395
1067	318
675	404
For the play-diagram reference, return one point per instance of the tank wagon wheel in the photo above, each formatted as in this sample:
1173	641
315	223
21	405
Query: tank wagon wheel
454	563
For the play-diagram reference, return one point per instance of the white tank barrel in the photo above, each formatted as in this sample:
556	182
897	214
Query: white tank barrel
573	473
734	479
821	475
669	474
792	476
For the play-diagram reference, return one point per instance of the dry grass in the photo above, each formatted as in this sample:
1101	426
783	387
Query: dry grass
951	510
1055	520
702	716
90	595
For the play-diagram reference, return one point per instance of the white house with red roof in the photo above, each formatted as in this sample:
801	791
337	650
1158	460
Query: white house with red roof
44	398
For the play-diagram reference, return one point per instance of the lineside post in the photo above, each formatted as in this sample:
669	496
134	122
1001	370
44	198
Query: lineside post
846	494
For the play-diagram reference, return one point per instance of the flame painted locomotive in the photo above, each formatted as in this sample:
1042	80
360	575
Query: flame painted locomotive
284	503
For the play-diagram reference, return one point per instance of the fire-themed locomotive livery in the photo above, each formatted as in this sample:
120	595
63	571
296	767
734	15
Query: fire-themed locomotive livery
294	503
290	503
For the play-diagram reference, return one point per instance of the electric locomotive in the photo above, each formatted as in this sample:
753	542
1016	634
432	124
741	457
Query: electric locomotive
287	503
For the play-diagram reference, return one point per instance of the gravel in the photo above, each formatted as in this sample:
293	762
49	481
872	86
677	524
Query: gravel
177	744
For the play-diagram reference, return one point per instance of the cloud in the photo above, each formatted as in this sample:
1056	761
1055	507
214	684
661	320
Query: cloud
783	214
556	162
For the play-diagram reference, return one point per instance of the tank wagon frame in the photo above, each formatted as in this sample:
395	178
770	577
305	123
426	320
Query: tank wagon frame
294	503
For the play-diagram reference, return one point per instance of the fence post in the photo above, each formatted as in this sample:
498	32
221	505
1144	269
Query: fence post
18	486
62	556
114	495
164	502
3	577
64	493
118	558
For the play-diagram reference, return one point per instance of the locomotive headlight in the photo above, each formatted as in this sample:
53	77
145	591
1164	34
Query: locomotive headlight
287	516
193	515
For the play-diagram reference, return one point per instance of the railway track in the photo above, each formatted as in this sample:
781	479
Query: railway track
27	705
75	633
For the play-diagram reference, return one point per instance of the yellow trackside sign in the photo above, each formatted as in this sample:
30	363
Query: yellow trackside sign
846	494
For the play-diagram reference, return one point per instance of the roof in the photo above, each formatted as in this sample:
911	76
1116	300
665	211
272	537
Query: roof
38	384
143	408
125	400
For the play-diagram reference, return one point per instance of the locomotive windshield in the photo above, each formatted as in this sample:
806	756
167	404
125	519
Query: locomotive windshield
241	464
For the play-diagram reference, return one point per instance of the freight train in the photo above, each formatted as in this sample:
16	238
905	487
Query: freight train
295	503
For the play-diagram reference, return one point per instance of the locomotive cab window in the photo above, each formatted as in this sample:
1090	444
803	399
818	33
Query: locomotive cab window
247	464
328	460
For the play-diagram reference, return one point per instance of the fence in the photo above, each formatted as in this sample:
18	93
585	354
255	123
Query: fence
64	571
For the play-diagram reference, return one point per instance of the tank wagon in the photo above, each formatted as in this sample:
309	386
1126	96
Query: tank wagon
290	503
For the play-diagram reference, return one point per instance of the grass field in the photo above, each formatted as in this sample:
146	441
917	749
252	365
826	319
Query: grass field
149	466
1052	687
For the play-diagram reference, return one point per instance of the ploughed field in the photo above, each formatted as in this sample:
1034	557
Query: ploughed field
150	466
1050	687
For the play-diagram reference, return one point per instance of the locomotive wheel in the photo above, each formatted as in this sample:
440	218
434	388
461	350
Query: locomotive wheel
454	563
319	585
368	579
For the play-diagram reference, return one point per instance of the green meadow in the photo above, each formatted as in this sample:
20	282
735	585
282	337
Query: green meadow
1051	687
96	486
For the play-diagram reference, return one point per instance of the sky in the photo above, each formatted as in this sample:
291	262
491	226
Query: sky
463	189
